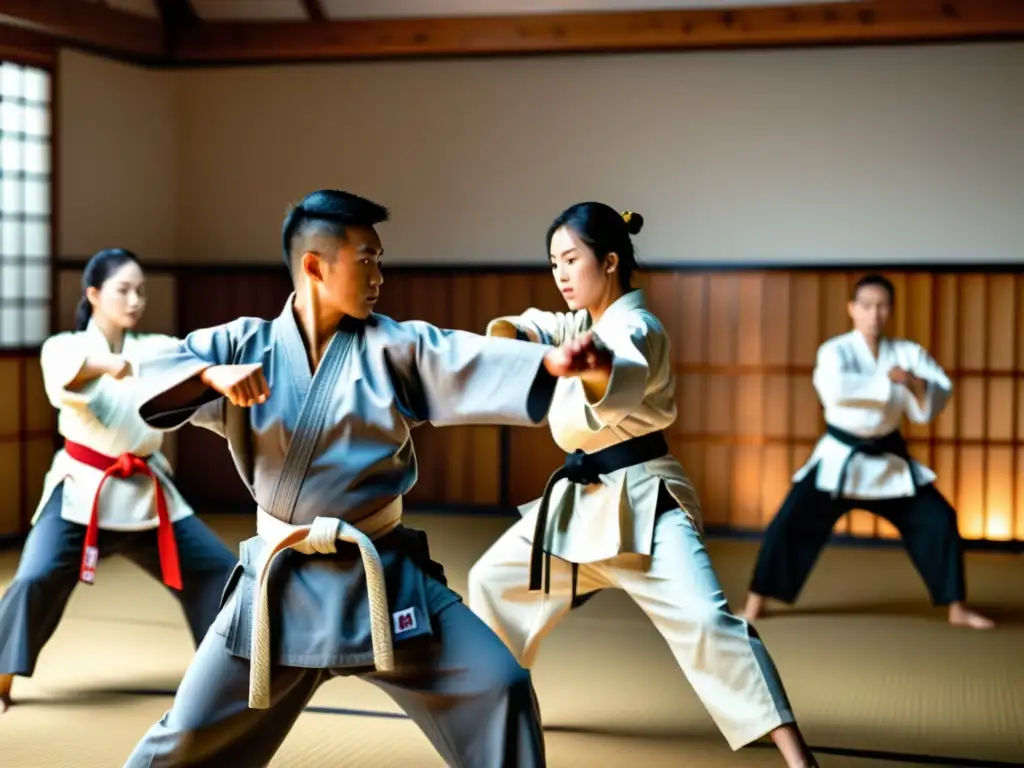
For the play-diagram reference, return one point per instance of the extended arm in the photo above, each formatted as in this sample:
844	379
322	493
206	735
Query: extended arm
70	374
454	377
538	326
174	389
837	387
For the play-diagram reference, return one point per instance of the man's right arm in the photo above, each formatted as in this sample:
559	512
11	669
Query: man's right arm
837	387
176	386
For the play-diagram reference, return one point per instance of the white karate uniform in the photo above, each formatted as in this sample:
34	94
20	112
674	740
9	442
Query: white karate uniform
858	397
103	415
613	530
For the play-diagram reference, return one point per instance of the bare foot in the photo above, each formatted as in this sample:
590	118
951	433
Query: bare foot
6	681
962	616
754	608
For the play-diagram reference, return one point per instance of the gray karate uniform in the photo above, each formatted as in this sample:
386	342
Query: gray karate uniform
48	572
379	378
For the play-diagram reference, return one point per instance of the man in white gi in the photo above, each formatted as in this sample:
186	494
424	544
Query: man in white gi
867	382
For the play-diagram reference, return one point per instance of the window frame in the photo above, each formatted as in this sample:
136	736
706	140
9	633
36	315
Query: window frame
44	61
30	49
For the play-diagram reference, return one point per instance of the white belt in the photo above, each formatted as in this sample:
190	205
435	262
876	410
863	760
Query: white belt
321	538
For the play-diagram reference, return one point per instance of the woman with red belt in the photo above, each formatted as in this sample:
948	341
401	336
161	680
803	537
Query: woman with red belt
109	489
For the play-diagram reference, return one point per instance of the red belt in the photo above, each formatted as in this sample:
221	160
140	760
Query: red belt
124	466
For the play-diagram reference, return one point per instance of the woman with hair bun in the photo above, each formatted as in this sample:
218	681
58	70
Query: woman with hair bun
621	513
109	489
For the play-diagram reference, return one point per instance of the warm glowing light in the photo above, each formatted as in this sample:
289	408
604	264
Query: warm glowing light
998	526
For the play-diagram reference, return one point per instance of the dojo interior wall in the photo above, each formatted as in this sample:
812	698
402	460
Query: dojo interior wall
797	157
743	343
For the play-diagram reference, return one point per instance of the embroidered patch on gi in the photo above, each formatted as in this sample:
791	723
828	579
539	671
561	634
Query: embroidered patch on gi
405	621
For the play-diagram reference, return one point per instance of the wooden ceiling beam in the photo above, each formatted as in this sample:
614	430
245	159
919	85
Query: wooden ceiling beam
313	10
93	26
176	15
24	46
885	21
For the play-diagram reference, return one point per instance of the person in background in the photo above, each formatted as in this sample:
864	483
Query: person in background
109	489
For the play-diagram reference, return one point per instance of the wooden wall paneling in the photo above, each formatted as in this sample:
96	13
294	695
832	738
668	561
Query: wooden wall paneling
688	332
1001	383
919	325
743	346
11	442
10	488
393	302
971	399
1017	411
26	439
776	346
69	289
719	386
1018	492
456	464
747	508
40	421
271	291
945	350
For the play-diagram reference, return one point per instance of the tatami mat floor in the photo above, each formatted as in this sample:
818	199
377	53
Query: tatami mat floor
876	676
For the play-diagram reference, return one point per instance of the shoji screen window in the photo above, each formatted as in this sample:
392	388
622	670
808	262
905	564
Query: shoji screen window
25	195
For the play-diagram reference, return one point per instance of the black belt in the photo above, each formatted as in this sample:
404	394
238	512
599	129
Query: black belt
892	443
584	469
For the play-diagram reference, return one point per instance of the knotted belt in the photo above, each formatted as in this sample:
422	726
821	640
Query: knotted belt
892	443
321	537
586	469
124	466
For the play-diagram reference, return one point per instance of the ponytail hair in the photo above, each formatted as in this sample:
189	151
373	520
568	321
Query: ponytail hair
83	314
97	271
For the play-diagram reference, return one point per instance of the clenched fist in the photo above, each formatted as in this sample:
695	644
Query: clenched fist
243	385
580	355
899	375
914	383
117	367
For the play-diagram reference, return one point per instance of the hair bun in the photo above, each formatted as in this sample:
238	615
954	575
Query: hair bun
634	222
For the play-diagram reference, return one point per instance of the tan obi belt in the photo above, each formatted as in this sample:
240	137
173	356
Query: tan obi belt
321	538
